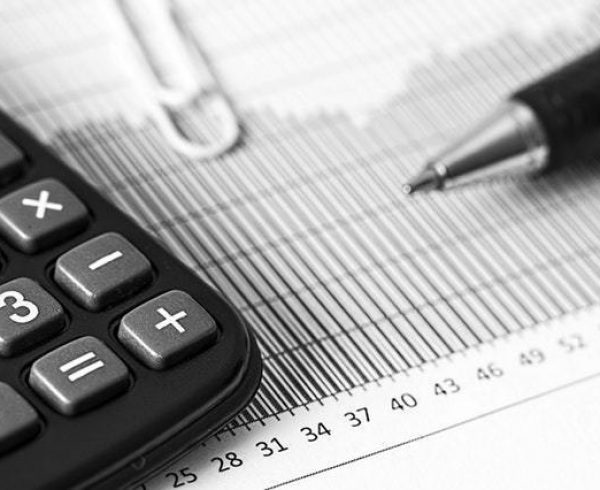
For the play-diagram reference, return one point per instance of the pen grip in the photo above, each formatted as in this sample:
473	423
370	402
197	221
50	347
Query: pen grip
567	104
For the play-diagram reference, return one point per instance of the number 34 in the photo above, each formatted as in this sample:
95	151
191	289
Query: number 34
27	311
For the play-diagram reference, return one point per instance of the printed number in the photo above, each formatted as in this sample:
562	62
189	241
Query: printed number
489	372
270	448
182	477
446	387
404	401
532	356
313	434
19	302
230	460
571	343
358	416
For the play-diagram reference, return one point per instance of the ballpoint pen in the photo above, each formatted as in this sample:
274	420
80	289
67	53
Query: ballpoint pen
539	128
181	77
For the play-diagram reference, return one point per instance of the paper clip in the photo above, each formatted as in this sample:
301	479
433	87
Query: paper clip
184	79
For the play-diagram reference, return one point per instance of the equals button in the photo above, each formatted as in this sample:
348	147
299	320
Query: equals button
83	371
79	376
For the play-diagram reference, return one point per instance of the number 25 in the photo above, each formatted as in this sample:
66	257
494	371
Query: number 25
19	302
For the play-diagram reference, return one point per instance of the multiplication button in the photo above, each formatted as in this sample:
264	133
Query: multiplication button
79	375
102	271
28	316
41	215
167	329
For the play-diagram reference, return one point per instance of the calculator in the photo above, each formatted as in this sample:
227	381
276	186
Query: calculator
115	358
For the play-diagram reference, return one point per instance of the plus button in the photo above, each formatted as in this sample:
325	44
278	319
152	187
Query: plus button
170	320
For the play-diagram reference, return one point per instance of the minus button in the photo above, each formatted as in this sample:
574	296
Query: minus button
102	261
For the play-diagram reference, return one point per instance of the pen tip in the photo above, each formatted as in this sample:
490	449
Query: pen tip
407	189
426	180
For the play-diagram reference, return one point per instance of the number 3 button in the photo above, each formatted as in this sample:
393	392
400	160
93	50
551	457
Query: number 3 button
28	316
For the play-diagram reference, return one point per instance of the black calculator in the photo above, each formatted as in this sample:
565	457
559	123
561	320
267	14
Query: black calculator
115	358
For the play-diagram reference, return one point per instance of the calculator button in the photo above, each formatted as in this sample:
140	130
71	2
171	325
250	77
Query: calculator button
18	420
79	375
28	315
11	160
102	271
41	215
166	329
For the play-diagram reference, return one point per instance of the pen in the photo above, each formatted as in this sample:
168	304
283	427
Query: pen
538	128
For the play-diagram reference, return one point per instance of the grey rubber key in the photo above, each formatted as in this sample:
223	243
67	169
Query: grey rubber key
167	329
102	271
79	376
11	160
19	422
28	316
40	215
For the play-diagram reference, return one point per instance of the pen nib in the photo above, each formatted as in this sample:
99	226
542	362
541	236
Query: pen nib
426	180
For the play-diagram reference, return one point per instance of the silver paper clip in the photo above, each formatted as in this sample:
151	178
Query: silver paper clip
184	79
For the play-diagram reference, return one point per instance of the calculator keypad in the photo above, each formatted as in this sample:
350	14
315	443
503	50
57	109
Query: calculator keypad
167	329
79	376
28	316
100	356
19	422
40	215
102	271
